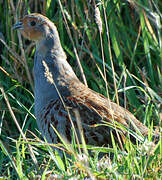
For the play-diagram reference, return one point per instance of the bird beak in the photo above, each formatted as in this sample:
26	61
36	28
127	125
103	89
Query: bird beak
18	25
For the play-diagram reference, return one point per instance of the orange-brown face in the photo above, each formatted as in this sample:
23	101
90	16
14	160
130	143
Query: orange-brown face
32	26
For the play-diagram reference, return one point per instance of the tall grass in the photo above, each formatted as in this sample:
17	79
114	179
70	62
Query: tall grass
118	56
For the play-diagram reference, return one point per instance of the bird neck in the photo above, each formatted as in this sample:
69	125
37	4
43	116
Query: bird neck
61	72
50	43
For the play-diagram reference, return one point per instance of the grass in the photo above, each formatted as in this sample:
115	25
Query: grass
117	53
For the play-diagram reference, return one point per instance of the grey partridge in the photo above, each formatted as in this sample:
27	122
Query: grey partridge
68	91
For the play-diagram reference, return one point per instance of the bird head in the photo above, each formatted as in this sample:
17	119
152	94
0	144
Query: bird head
35	26
40	29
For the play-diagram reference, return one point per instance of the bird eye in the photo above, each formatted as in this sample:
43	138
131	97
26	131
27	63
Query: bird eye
32	23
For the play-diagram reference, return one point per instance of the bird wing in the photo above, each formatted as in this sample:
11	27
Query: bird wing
109	111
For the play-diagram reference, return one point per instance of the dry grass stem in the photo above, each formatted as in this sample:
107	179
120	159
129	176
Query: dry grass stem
17	125
113	70
74	48
110	54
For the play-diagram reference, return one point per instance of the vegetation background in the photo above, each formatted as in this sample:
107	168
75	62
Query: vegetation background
116	40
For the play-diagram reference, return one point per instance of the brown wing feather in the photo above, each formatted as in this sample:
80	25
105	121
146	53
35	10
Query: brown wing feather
105	108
